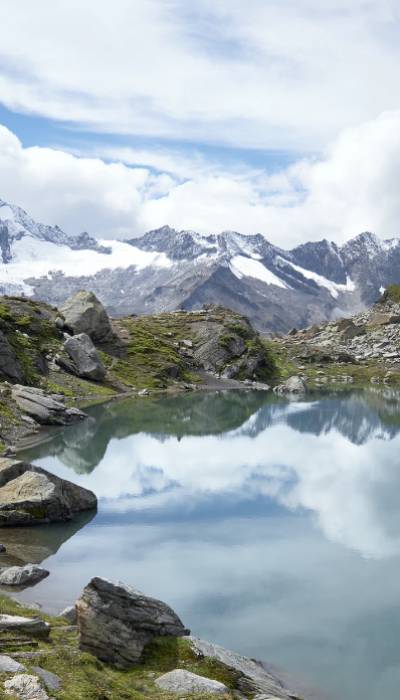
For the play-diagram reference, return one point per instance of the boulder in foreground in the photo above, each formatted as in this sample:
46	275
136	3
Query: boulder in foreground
181	681
31	495
84	313
115	622
25	687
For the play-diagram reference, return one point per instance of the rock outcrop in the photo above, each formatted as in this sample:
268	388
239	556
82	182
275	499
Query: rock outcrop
31	495
43	408
182	681
115	622
84	313
23	576
85	360
9	364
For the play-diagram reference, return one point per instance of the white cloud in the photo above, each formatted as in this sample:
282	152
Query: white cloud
273	74
351	189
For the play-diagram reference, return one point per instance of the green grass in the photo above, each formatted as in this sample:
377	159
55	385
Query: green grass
392	293
85	678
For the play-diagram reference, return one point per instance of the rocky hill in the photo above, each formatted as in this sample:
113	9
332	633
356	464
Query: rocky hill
54	360
351	351
166	269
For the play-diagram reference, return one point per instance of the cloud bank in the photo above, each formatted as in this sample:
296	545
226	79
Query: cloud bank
126	192
277	74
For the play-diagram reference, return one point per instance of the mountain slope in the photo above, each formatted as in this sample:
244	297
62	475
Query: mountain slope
167	269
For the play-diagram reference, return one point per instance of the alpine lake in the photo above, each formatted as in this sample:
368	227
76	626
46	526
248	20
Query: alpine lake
271	526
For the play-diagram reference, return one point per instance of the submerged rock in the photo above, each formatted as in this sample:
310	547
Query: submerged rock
181	681
115	622
84	313
86	362
30	495
45	409
293	385
26	575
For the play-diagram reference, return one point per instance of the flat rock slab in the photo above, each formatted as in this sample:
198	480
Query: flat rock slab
27	575
51	680
254	678
9	665
32	626
44	409
181	681
115	622
30	495
25	687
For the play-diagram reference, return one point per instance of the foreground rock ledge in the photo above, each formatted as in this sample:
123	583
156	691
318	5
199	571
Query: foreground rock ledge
116	622
30	495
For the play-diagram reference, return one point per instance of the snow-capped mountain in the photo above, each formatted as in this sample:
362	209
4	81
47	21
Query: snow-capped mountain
167	269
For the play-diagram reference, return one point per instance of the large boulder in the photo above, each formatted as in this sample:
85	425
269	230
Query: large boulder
86	362
182	681
31	495
44	409
84	313
116	622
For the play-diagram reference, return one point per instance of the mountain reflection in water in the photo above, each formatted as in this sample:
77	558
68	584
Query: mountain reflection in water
272	527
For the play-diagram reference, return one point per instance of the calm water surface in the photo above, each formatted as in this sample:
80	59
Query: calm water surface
271	527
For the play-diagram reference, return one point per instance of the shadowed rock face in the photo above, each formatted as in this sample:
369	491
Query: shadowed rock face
116	622
86	362
30	495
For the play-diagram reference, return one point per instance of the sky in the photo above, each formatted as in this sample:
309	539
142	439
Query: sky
273	116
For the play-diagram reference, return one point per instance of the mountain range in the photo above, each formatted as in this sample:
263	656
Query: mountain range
166	269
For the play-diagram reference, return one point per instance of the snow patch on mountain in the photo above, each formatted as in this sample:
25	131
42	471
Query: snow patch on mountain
333	287
248	267
37	258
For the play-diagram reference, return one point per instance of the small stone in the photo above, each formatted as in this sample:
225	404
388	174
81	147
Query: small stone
143	392
25	687
181	681
2	549
33	626
27	575
51	680
9	665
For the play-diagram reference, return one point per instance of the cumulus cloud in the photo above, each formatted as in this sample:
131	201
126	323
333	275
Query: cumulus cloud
126	192
276	74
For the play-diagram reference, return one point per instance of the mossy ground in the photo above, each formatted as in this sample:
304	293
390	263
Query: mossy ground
85	678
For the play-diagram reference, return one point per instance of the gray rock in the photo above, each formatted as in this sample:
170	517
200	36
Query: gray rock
44	409
2	549
293	385
181	681
9	665
115	622
51	680
84	313
86	362
69	614
32	626
30	495
25	687
143	392
27	575
253	677
9	364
